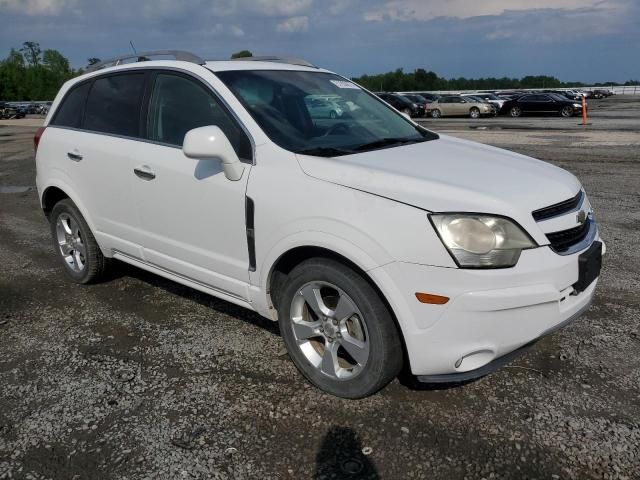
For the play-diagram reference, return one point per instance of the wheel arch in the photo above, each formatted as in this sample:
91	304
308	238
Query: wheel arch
50	197
289	259
54	192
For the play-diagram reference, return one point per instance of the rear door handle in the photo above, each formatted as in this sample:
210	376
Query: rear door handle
74	155
144	172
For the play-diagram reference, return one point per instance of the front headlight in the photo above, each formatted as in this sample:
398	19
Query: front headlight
577	105
481	241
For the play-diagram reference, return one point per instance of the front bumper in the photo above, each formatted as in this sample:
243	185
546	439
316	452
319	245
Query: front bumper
490	314
499	362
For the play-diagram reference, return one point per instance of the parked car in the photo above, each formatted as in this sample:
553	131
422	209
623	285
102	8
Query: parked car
577	94
493	99
414	97
543	103
569	94
8	111
477	98
22	109
372	241
43	109
417	99
508	95
403	104
599	93
456	105
428	95
322	108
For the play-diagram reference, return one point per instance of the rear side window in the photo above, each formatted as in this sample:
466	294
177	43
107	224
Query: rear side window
69	113
114	104
179	104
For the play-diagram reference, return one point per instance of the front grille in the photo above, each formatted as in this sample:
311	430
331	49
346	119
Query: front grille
565	239
558	208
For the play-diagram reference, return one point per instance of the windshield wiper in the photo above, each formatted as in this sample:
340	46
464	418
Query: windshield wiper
325	151
387	142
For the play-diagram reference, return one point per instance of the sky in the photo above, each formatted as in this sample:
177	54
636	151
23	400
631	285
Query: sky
574	40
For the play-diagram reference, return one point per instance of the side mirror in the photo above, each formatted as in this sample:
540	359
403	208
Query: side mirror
210	143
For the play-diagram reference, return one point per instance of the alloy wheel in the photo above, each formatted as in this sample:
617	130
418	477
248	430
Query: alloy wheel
72	247
567	112
330	330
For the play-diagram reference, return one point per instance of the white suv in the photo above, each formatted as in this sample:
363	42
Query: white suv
374	242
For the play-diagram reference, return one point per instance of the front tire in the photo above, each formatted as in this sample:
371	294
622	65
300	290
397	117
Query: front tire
567	112
515	112
474	113
436	113
75	245
337	330
333	115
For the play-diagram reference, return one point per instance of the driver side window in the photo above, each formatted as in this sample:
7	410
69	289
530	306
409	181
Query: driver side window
179	104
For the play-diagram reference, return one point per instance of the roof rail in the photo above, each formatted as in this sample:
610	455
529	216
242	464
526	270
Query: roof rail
144	56
278	59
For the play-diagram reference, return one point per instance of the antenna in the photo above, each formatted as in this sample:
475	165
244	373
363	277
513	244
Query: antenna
132	47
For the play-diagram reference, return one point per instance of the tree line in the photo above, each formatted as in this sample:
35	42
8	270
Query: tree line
422	80
30	73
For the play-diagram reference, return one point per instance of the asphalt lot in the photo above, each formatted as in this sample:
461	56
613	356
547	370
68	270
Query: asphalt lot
139	377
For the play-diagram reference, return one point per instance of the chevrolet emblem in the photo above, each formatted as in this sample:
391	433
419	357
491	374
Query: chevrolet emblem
581	217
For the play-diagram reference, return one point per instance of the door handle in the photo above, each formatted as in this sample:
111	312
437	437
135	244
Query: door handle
144	172
74	155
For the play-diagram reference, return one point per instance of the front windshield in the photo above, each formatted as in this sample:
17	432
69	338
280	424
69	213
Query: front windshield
320	113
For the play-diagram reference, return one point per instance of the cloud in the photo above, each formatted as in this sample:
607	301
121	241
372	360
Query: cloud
338	7
220	29
265	8
278	8
35	7
236	31
547	26
294	25
423	10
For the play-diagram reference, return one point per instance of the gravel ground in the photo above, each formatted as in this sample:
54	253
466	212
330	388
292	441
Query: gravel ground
139	377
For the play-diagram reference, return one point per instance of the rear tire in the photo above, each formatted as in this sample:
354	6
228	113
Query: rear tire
75	245
337	330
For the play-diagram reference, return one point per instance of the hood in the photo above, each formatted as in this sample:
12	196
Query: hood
451	175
